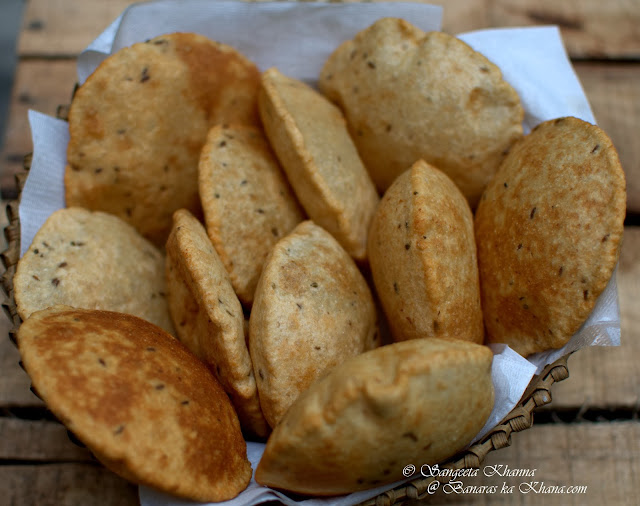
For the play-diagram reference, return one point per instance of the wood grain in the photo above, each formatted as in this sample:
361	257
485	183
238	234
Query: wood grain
590	30
63	28
64	485
614	95
604	457
40	85
38	440
609	378
460	16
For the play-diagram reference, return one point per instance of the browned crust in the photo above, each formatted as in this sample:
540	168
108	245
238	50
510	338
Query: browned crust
549	229
423	258
139	121
247	202
139	399
319	174
312	310
357	427
208	316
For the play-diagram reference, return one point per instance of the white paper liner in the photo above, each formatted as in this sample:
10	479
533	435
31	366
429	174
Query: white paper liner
297	37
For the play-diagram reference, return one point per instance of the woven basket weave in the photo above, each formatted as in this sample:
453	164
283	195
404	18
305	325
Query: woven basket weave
520	418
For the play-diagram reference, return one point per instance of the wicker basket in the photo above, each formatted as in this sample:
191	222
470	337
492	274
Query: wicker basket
520	418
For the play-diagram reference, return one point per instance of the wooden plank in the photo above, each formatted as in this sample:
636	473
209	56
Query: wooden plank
614	94
40	85
64	485
64	27
603	457
38	440
588	28
610	377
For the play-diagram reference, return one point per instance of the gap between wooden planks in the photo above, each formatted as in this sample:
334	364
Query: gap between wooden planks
609	378
604	457
40	85
591	30
65	484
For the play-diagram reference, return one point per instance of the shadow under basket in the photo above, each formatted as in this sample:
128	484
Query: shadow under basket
537	394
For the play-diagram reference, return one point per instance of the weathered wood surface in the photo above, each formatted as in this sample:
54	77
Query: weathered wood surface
40	85
38	463
64	484
63	28
38	441
590	30
604	457
609	378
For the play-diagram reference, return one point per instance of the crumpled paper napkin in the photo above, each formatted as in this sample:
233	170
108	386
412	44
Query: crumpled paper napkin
297	38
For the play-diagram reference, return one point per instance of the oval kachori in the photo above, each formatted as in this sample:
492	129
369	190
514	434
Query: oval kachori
138	399
549	228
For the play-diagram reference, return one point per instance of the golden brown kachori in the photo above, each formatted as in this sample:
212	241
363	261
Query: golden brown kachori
415	402
410	95
208	316
146	407
310	138
549	229
422	254
138	123
248	204
312	310
92	260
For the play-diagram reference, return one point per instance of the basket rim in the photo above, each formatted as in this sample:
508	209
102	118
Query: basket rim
537	394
